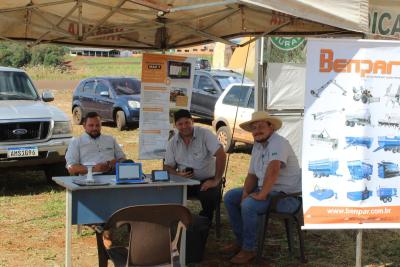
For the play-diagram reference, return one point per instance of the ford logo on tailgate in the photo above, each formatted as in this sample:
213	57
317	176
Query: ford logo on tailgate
20	131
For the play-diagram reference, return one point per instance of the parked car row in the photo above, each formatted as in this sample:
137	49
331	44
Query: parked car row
117	99
35	135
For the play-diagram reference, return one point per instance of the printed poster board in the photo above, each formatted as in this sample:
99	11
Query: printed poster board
166	84
351	138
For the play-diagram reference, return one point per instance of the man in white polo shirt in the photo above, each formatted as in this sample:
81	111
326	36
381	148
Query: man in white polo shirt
92	146
196	153
274	168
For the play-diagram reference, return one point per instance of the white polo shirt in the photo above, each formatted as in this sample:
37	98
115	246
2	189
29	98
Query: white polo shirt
84	149
276	148
198	154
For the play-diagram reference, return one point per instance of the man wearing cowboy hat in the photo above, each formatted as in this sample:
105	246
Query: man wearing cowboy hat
273	168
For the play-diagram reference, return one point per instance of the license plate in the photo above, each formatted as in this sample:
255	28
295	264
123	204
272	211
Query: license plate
22	152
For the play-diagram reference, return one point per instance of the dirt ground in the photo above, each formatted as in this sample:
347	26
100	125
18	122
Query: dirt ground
32	217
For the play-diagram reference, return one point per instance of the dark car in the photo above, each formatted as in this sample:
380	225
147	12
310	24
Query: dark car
202	64
208	86
116	99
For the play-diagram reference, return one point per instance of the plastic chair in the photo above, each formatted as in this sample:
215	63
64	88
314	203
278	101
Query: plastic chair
291	219
150	240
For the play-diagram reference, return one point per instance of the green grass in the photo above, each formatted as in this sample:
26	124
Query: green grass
82	67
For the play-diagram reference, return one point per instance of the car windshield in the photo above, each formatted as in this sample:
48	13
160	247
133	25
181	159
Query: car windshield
224	81
16	86
126	86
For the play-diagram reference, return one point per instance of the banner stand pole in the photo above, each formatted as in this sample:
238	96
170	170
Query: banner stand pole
359	247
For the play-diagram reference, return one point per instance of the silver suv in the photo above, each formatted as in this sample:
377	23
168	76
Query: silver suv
33	134
208	86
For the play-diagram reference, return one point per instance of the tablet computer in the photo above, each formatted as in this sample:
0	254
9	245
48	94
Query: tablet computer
129	172
159	176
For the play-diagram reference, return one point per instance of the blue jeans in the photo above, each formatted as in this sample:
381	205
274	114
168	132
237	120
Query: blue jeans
243	216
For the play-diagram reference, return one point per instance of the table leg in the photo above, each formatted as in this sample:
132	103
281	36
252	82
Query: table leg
68	229
182	254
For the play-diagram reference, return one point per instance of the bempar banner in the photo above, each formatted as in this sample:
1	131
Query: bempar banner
351	136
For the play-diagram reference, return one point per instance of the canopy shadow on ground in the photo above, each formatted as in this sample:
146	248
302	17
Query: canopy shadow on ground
22	183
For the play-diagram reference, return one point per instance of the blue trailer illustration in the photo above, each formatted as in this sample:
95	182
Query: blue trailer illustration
386	193
358	141
321	193
388	143
323	167
359	195
359	170
387	169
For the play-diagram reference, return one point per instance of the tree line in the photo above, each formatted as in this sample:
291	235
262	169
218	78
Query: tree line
15	54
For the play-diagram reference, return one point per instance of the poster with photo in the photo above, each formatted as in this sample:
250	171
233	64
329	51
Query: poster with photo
167	82
351	136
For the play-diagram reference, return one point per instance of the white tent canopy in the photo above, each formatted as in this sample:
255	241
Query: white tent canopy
164	24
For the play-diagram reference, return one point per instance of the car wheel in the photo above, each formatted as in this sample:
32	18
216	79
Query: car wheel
225	137
120	120
77	115
55	170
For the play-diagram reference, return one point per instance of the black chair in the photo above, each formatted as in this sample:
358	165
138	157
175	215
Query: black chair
218	210
217	213
150	235
290	219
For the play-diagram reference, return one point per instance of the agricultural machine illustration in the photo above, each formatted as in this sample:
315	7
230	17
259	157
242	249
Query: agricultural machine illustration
386	194
322	193
327	113
324	138
359	170
389	144
387	169
358	141
319	91
359	195
361	117
390	120
323	167
364	95
393	98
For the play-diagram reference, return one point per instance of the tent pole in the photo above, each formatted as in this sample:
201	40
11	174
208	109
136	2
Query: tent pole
258	75
359	247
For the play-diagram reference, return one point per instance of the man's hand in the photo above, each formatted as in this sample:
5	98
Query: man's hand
185	174
210	183
258	196
101	167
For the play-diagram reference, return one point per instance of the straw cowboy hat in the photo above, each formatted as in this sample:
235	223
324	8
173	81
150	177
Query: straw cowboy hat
261	116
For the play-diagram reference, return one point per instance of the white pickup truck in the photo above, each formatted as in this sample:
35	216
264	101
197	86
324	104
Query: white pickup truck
33	134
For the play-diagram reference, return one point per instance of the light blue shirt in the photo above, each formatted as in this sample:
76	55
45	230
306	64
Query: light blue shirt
276	148
85	149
